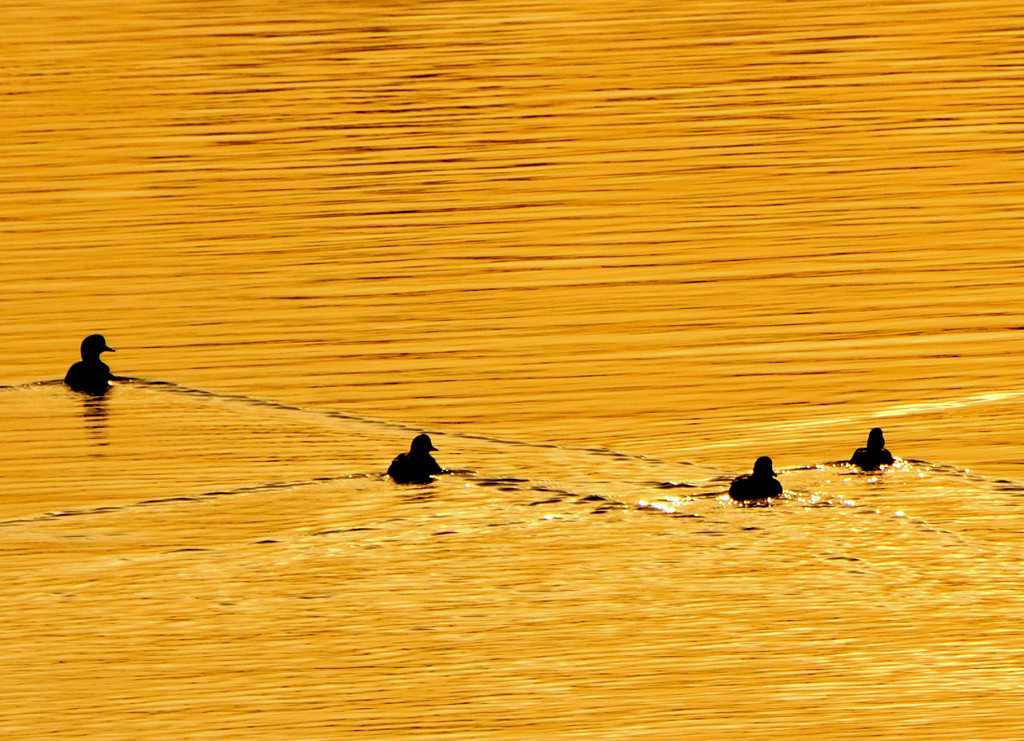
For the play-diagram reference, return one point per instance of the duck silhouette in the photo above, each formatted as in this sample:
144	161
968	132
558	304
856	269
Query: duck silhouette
417	466
91	375
875	455
761	484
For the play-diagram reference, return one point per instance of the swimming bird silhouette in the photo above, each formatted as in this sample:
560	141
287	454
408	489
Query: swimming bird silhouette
91	375
761	484
875	455
417	466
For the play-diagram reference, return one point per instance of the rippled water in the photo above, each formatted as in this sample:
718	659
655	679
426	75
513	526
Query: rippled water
606	255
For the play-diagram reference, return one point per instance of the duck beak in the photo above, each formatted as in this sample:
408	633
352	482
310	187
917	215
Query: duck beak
107	349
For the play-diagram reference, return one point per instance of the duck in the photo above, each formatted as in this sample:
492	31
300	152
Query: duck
761	484
874	456
91	375
417	466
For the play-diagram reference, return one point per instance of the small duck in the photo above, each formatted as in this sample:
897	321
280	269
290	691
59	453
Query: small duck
761	484
875	455
91	375
417	466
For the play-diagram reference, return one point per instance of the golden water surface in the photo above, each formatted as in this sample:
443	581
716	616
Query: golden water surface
606	254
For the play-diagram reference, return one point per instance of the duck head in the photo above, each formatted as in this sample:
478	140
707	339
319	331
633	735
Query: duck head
763	467
93	345
421	445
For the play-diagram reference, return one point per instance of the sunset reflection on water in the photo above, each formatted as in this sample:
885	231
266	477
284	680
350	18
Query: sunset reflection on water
606	257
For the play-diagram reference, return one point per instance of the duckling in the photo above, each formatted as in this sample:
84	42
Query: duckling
761	484
875	455
91	375
417	466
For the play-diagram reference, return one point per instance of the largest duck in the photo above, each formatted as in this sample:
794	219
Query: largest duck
90	375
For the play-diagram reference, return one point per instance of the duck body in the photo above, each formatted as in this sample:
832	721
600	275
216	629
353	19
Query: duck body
90	375
874	456
761	484
868	459
417	466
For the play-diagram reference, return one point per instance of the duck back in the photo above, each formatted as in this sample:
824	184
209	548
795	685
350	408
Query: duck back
870	459
89	377
749	487
405	469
